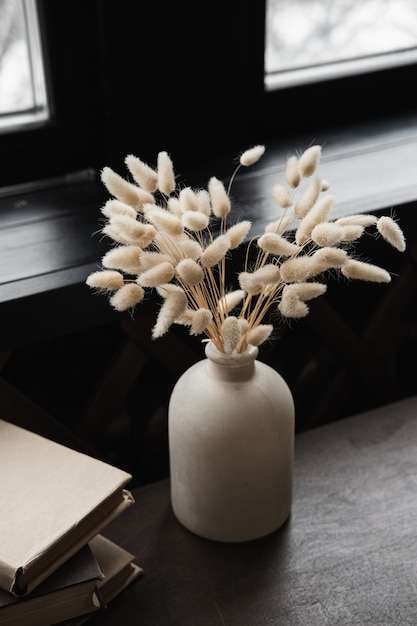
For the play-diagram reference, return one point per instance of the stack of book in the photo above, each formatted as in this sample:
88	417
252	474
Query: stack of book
55	565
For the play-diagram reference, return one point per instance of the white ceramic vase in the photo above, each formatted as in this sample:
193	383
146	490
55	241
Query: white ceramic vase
231	444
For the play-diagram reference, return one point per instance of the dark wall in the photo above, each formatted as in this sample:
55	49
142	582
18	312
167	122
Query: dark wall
140	77
180	76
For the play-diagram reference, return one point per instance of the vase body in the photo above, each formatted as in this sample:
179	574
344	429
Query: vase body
231	444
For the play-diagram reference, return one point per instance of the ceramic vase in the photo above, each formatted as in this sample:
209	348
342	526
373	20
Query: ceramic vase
231	443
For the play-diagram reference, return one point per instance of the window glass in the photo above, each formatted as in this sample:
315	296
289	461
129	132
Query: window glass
311	40
22	80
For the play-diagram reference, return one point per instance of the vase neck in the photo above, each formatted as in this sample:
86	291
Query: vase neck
231	367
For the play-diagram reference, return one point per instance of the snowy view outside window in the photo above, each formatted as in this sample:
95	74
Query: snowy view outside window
22	81
308	40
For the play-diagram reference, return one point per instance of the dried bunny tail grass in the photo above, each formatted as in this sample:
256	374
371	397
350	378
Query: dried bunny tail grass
317	214
174	305
174	205
215	251
231	333
147	237
158	275
190	272
203	201
330	257
186	318
220	201
124	191
282	196
182	250
352	232
166	175
291	305
363	219
125	258
182	246
150	258
105	280
168	245
327	234
360	270
132	231
243	325
308	199
200	320
294	296
257	336
269	274
292	173
189	248
391	232
169	288
252	155
113	232
250	283
297	269
280	225
188	199
307	291
272	243
254	283
195	221
309	160
163	220
230	300
142	173
327	258
237	233
116	207
127	297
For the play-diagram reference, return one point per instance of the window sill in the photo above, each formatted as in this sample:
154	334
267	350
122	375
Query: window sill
369	168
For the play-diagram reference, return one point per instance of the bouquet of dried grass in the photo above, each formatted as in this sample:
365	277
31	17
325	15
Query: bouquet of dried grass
177	242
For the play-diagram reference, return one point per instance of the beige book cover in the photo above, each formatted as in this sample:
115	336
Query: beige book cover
53	501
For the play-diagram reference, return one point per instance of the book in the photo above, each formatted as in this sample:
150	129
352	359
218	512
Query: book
79	588
69	593
117	566
53	501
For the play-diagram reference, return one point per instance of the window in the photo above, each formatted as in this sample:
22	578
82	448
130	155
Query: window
23	98
313	40
143	77
61	132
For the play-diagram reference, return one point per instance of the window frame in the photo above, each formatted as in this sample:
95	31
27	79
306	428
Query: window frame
127	81
34	110
67	140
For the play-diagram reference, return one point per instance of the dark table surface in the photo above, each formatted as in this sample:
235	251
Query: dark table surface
347	555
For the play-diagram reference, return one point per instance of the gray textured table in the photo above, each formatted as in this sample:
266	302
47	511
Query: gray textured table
347	556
